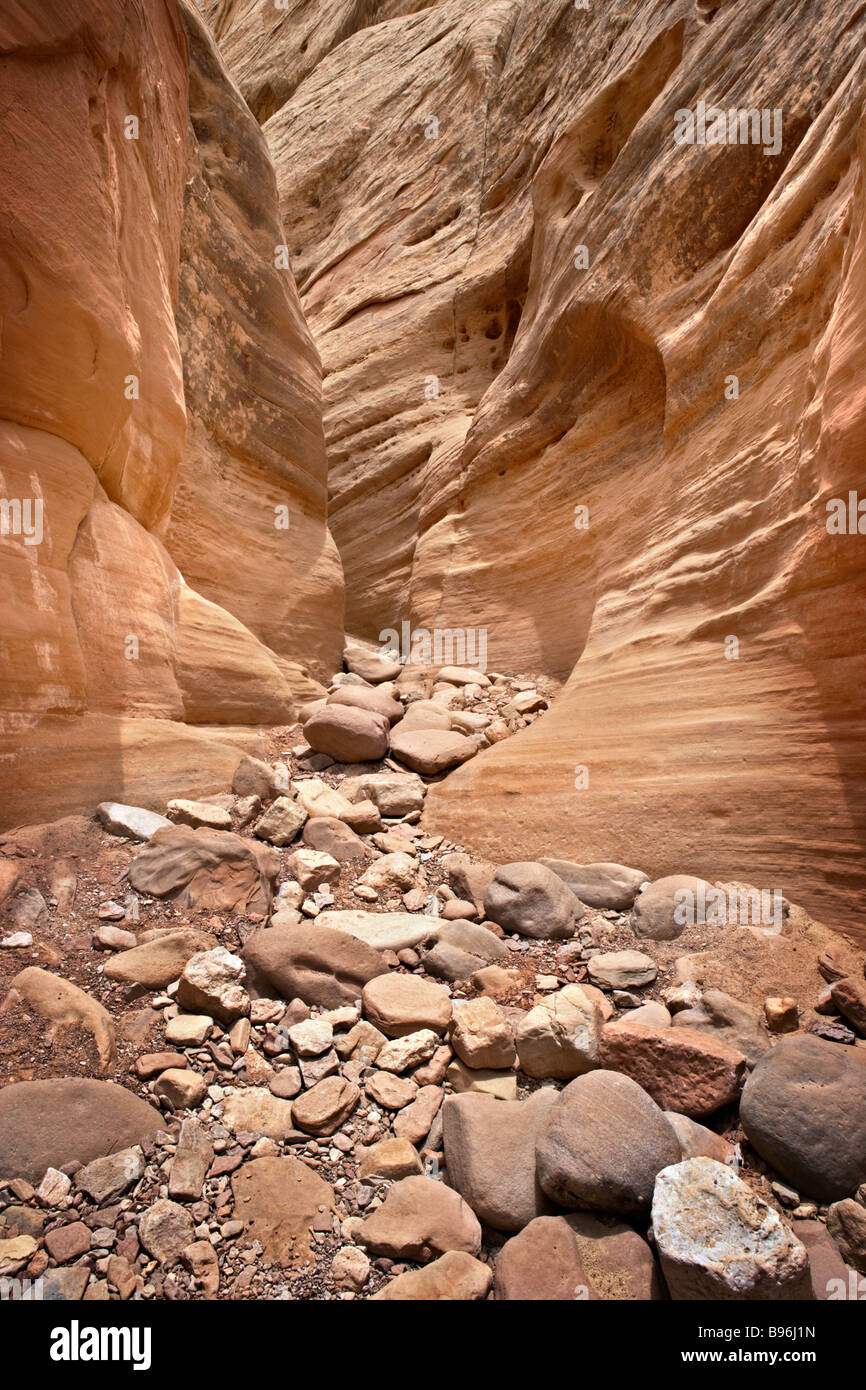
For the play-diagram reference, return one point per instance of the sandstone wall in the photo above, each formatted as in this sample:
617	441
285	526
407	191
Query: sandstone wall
107	657
603	387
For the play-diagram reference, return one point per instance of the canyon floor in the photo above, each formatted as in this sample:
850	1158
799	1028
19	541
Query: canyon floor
285	1043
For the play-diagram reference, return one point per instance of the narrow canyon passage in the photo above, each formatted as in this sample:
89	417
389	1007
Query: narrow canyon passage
431	650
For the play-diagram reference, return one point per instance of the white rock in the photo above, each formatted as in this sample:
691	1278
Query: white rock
131	821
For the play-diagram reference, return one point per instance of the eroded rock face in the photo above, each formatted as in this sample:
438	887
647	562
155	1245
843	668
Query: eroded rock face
507	308
108	654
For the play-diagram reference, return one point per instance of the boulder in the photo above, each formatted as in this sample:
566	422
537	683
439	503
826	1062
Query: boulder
470	878
253	777
312	867
400	1004
560	1037
603	1145
804	1110
846	1223
348	734
281	822
684	1070
47	1124
729	1019
669	905
717	1239
431	751
481	1034
483	1080
383	931
849	996
313	963
371	664
419	1219
198	814
585	1257
831	1278
529	899
490	1154
212	983
212	870
611	886
158	962
362	697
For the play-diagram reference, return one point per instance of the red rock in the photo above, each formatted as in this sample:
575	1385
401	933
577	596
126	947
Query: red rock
684	1070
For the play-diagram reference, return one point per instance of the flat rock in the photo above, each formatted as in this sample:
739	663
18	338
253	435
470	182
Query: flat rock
415	1120
62	1004
193	1157
209	869
254	1110
622	969
717	1239
383	931
419	1219
431	751
47	1124
334	837
315	963
527	898
390	1159
198	813
603	1145
490	1154
585	1257
109	1177
361	697
326	1106
684	1070
804	1110
483	1080
481	1034
281	1202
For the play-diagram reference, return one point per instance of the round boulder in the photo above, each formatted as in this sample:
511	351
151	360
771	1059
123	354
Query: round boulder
348	734
529	899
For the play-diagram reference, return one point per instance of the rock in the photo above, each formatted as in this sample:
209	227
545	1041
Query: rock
350	1268
333	837
312	868
361	697
311	1037
419	1219
481	1034
152	1063
471	937
490	1154
782	1015
804	1110
393	793
348	734
54	1188
622	969
109	1177
131	821
651	1015
253	777
327	1106
407	1051
529	899
603	1145
426	714
183	1088
320	800
696	1141
158	962
317	964
370	664
684	1070
68	1242
729	1019
486	1081
64	1285
390	1158
383	931
401	1004
560	1036
192	1159
198	813
255	1110
495	981
188	1030
16	1248
286	1083
585	1257
431	751
459	910
63	1005
611	886
391	1092
165	1230
20	941
415	1121
281	822
468	877
212	983
281	1202
849	996
202	1260
664	909
846	1224
108	938
46	1124
831	1277
717	1239
455	1277
363	1042
390	875
209	869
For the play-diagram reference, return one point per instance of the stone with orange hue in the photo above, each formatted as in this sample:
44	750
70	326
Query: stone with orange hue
684	1070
